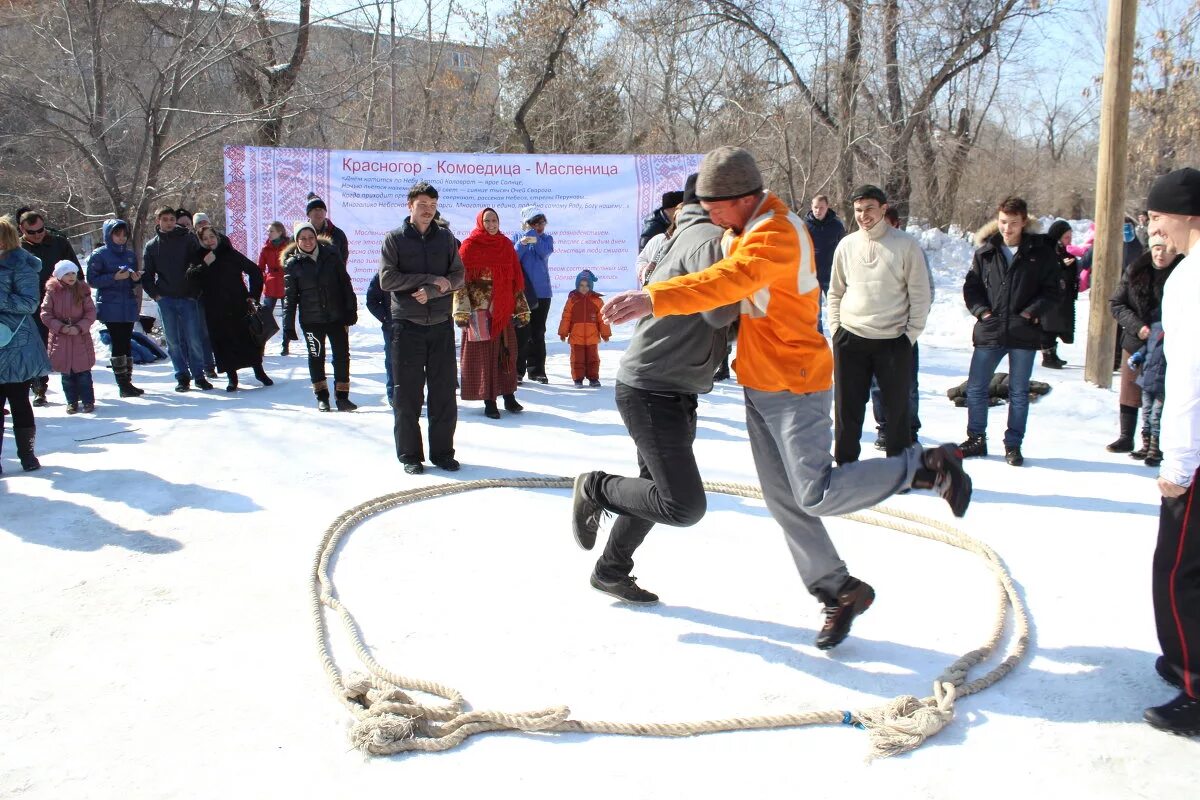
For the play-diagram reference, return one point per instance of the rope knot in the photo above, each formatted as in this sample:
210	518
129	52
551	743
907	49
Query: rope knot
378	732
355	687
904	723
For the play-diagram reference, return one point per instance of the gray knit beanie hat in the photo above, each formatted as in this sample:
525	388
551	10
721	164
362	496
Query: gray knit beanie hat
726	173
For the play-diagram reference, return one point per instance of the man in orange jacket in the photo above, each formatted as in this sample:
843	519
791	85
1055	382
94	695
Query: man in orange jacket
786	369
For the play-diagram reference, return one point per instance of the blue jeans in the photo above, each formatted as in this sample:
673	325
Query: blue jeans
1152	405
183	323
77	388
983	366
210	361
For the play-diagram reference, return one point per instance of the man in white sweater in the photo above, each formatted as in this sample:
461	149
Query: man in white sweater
879	297
1174	204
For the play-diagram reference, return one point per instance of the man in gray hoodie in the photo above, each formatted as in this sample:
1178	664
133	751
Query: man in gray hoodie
669	361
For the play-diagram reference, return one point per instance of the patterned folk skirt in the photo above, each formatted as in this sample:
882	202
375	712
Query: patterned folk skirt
489	369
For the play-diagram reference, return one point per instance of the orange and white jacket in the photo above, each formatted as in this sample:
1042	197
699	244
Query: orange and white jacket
770	268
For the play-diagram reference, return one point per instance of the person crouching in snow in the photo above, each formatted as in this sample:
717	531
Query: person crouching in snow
583	325
69	313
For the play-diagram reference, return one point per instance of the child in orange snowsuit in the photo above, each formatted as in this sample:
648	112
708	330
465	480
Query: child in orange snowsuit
581	322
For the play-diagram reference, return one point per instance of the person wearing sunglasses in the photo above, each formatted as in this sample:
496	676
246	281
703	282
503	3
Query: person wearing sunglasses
51	248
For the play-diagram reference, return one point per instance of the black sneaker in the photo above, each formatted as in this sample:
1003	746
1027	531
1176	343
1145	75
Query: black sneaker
1180	716
415	468
72	408
853	598
624	589
448	464
1167	674
974	446
1013	456
586	515
202	383
943	473
183	385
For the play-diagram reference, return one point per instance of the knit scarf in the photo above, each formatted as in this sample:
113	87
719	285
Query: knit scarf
484	252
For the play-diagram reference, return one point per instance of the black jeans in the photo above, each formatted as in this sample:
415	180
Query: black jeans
669	488
855	361
16	397
531	342
1176	585
424	354
121	334
339	343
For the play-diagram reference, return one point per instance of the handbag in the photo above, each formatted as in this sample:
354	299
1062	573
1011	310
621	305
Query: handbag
479	326
7	333
262	325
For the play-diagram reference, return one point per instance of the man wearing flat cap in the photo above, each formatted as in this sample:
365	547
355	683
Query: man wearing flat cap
786	369
1174	205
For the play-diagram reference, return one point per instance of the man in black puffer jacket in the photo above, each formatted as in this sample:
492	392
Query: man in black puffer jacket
1013	281
420	267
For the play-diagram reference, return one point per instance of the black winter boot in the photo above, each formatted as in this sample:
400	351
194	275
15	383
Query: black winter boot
1050	358
183	384
942	472
1128	422
39	392
490	410
321	390
261	376
511	405
974	446
1140	453
25	438
122	367
1153	454
232	385
342	393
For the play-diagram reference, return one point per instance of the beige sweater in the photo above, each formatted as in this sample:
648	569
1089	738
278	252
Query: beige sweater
879	288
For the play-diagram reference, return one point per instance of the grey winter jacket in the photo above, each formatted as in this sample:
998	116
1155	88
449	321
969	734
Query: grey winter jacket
680	353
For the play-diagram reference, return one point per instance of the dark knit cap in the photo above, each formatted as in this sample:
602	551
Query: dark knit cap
314	202
671	199
182	212
868	192
689	190
1176	192
1057	229
726	173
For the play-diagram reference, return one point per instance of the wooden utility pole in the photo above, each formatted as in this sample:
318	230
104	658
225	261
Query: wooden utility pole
1111	169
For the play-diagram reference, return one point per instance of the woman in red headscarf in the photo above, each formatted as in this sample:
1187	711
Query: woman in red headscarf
491	301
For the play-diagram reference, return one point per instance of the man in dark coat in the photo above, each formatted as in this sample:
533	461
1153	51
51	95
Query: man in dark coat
165	261
1012	282
661	219
826	231
51	247
420	267
318	215
380	306
1059	321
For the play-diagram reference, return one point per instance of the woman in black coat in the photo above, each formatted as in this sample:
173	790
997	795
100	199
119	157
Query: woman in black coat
228	305
1136	305
1058	322
317	285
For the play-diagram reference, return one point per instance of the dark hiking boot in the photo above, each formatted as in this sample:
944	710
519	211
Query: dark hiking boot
490	410
261	376
1050	359
942	472
89	408
1167	674
416	468
852	599
1013	456
25	439
1141	452
72	408
511	405
1180	716
586	514
202	383
1154	455
974	446
625	590
182	385
447	464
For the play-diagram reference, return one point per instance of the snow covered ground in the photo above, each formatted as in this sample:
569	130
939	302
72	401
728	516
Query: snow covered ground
157	640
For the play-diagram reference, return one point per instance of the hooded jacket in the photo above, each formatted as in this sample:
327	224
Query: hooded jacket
825	233
770	269
165	262
1028	286
1153	377
116	301
411	260
1137	302
535	263
63	306
317	286
680	353
24	357
581	323
272	269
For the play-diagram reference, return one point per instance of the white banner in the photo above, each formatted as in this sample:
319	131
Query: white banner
594	204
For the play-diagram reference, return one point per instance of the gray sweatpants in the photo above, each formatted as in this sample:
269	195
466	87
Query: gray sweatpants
790	437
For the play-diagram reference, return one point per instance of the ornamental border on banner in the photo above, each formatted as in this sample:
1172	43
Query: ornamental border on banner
596	204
